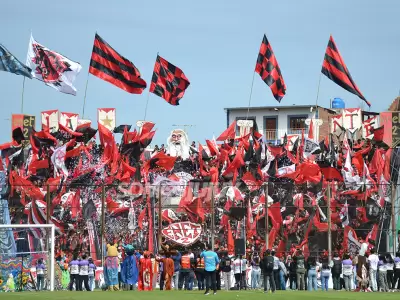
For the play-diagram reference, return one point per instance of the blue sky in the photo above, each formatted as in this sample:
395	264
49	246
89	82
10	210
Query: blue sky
215	43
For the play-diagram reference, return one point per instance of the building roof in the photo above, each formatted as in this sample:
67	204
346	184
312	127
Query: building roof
271	107
395	104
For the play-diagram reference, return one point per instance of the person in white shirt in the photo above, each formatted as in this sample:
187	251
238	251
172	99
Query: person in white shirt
373	260
237	271
244	272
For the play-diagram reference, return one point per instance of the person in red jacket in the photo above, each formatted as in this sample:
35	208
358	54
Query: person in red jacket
145	273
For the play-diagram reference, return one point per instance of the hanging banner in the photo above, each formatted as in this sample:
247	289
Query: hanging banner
7	242
25	122
395	129
69	120
183	233
368	125
106	117
336	122
50	120
352	118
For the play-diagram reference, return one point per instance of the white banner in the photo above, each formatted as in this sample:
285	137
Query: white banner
183	233
69	120
52	68
106	117
50	120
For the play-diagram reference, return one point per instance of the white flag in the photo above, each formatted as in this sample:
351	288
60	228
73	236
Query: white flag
58	159
52	68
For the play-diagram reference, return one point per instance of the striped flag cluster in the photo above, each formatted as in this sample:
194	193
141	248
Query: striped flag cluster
168	81
335	69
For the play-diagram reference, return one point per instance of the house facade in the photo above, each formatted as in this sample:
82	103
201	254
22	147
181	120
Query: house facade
274	121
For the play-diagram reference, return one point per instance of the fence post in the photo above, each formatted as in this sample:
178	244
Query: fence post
48	204
103	217
159	219
329	223
212	217
266	217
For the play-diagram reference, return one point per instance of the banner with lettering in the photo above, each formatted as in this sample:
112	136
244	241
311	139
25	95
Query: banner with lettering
25	122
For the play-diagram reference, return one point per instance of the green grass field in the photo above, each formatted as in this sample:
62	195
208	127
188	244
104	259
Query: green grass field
193	295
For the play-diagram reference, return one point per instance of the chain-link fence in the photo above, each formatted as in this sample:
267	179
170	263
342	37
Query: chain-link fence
297	215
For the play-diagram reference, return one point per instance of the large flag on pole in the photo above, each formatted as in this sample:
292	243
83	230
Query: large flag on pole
168	81
109	65
268	68
52	68
9	63
335	69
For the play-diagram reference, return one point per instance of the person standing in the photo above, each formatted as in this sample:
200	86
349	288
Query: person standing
184	272
336	269
396	286
211	262
312	274
167	271
84	273
383	284
256	271
177	267
237	271
200	273
276	271
40	271
267	265
390	271
92	273
74	273
291	267
300	269
325	274
373	260
347	267
243	277
226	270
282	273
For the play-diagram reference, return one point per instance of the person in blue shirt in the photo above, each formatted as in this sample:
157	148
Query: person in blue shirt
177	267
211	262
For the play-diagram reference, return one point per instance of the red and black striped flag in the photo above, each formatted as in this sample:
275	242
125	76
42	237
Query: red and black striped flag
335	69
109	65
268	68
168	81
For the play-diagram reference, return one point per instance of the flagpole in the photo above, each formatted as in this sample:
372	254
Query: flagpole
148	97
22	100
147	104
251	93
319	83
84	98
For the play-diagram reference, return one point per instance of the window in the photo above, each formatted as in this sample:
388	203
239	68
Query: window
297	124
271	126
